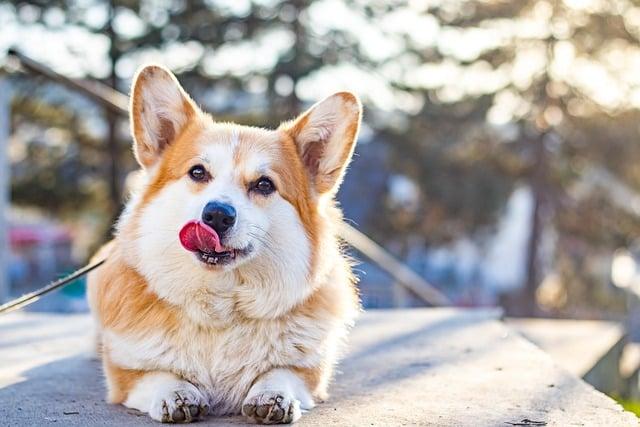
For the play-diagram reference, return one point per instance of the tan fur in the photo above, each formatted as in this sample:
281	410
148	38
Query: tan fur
211	324
122	300
120	380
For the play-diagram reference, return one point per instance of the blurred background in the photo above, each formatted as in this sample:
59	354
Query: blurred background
498	158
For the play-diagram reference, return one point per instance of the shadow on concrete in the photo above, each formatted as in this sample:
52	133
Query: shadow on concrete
70	392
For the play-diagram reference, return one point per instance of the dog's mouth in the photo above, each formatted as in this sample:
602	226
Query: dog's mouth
222	258
204	242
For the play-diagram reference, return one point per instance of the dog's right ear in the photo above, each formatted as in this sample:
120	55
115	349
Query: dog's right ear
160	110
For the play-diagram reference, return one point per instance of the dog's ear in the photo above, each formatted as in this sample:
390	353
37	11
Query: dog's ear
160	109
326	135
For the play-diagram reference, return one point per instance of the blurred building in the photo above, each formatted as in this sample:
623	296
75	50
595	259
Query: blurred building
40	251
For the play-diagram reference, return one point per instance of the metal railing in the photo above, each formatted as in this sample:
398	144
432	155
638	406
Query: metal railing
118	103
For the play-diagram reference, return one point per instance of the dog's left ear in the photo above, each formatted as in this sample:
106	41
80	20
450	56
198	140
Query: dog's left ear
326	135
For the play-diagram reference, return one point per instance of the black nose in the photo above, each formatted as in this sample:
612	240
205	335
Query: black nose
219	216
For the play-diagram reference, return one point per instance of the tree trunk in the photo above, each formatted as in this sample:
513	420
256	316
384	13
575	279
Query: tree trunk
525	304
112	146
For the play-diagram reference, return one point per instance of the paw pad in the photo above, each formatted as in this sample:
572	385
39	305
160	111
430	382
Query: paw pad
271	408
182	409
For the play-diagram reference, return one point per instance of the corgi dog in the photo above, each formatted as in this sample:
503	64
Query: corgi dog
225	289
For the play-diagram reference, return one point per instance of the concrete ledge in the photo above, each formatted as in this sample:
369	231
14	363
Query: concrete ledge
429	367
589	349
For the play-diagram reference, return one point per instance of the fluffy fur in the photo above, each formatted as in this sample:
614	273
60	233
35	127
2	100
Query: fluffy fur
181	339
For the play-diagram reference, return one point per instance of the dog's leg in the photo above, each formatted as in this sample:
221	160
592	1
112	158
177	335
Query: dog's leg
164	396
167	398
277	397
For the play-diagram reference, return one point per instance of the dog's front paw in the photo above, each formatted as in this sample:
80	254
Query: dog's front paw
271	407
182	404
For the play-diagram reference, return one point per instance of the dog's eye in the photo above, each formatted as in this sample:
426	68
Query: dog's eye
198	173
264	186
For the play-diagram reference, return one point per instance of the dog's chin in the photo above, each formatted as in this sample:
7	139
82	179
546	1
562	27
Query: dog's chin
225	260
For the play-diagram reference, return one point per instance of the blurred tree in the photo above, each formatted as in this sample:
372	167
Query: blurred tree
274	44
60	168
532	91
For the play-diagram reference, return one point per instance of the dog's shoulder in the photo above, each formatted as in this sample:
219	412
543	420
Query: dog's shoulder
121	298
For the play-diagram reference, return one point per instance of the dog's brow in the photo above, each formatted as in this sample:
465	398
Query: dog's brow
264	168
204	159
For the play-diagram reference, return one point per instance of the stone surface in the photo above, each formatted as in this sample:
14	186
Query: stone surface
577	345
430	367
589	349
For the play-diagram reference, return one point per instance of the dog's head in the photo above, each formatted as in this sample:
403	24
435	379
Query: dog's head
221	196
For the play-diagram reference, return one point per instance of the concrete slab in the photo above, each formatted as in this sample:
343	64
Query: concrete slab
589	349
430	367
577	345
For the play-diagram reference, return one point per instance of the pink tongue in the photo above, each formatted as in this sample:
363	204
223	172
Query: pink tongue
198	236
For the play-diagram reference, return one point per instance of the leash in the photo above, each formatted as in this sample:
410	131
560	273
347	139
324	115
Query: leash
34	296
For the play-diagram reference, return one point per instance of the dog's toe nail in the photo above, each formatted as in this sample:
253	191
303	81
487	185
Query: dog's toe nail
277	413
249	410
194	410
262	410
178	415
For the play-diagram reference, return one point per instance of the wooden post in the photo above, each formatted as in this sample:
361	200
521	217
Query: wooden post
5	124
538	184
113	152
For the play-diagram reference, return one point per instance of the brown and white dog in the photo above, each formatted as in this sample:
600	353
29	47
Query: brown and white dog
225	289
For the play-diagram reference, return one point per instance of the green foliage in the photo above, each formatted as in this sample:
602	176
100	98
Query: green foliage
629	405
